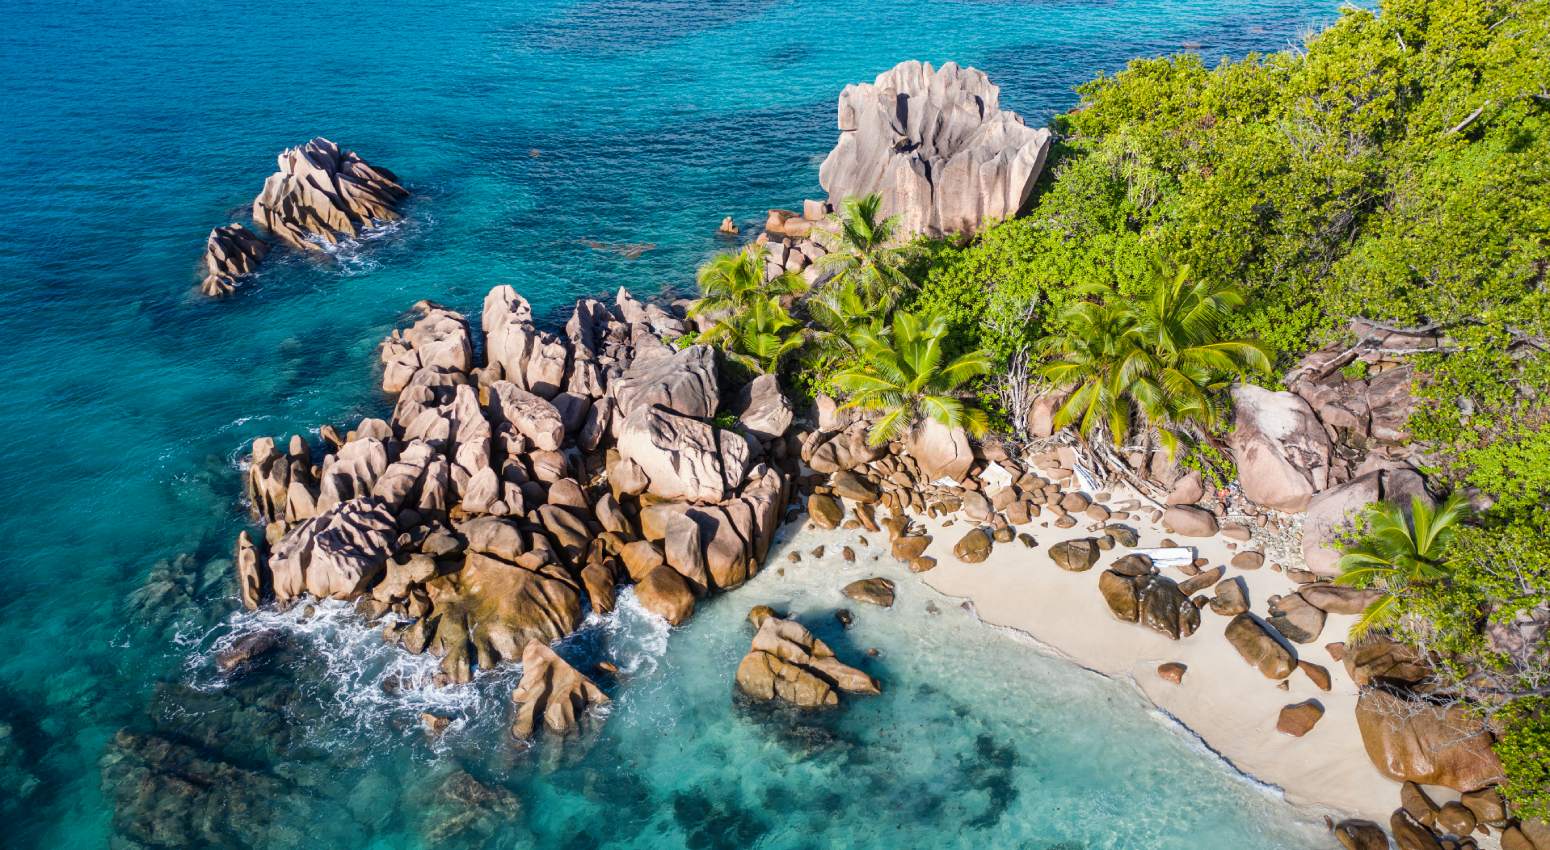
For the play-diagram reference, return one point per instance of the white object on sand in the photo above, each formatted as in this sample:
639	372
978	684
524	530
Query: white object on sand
996	475
1173	556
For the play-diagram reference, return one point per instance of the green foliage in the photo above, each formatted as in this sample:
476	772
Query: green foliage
731	281
1524	748
906	374
1213	464
1396	552
863	253
1157	362
726	420
1354	371
685	339
759	335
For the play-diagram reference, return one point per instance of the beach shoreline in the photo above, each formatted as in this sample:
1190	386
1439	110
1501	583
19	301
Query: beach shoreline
1222	701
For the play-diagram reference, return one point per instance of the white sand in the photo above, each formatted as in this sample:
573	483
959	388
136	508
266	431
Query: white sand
1229	704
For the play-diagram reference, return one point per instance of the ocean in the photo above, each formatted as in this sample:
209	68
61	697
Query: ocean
541	140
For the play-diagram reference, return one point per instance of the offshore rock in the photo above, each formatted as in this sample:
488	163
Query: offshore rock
338	553
937	146
787	663
552	691
231	252
322	193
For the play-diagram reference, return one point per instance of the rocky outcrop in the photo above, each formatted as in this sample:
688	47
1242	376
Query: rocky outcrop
231	252
322	193
941	452
683	457
484	514
1149	600
1280	448
1411	741
873	591
551	691
788	664
937	146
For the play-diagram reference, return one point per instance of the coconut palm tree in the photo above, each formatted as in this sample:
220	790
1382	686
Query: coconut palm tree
730	281
1396	551
902	373
1158	363
841	312
758	335
862	251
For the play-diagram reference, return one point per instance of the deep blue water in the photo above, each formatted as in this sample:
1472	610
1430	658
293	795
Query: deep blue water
526	130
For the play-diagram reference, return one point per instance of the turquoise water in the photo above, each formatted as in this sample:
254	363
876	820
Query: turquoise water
527	130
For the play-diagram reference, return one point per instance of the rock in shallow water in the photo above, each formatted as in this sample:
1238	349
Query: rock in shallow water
322	193
552	691
788	664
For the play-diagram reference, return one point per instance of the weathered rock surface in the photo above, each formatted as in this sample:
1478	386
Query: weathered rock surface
937	146
1429	745
942	452
322	193
787	663
763	409
553	691
1075	555
1259	646
337	554
1189	521
1296	619
1150	600
1279	447
873	591
1361	835
1299	719
683	457
974	547
231	252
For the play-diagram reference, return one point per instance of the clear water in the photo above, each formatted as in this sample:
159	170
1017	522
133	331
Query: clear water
527	130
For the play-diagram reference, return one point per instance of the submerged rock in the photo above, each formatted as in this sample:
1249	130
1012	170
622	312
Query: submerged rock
937	146
322	193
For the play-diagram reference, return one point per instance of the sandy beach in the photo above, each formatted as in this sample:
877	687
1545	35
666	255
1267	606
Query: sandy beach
1222	699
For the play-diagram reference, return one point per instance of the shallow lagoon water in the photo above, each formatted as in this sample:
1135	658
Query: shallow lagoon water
538	138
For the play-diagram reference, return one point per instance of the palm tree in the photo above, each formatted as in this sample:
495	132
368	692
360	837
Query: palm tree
841	313
1396	551
758	335
1158	362
731	280
862	253
902	373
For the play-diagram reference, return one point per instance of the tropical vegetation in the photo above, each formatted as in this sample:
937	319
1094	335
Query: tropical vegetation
1399	549
905	375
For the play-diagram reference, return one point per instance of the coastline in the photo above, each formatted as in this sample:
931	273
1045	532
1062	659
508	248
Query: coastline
1223	701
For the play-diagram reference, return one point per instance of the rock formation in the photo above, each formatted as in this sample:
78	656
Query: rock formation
552	691
937	146
322	193
1414	742
788	664
493	506
231	252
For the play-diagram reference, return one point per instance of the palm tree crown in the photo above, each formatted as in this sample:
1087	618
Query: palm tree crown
759	335
1159	360
862	251
902	373
1396	551
730	281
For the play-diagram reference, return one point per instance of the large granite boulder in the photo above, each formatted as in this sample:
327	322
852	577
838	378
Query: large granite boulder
1260	646
553	691
1410	741
231	252
528	414
786	663
1150	600
1279	447
762	408
681	457
322	193
942	452
338	553
683	382
937	146
489	610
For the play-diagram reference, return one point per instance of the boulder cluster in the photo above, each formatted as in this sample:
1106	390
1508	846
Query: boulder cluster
937	146
505	493
319	195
